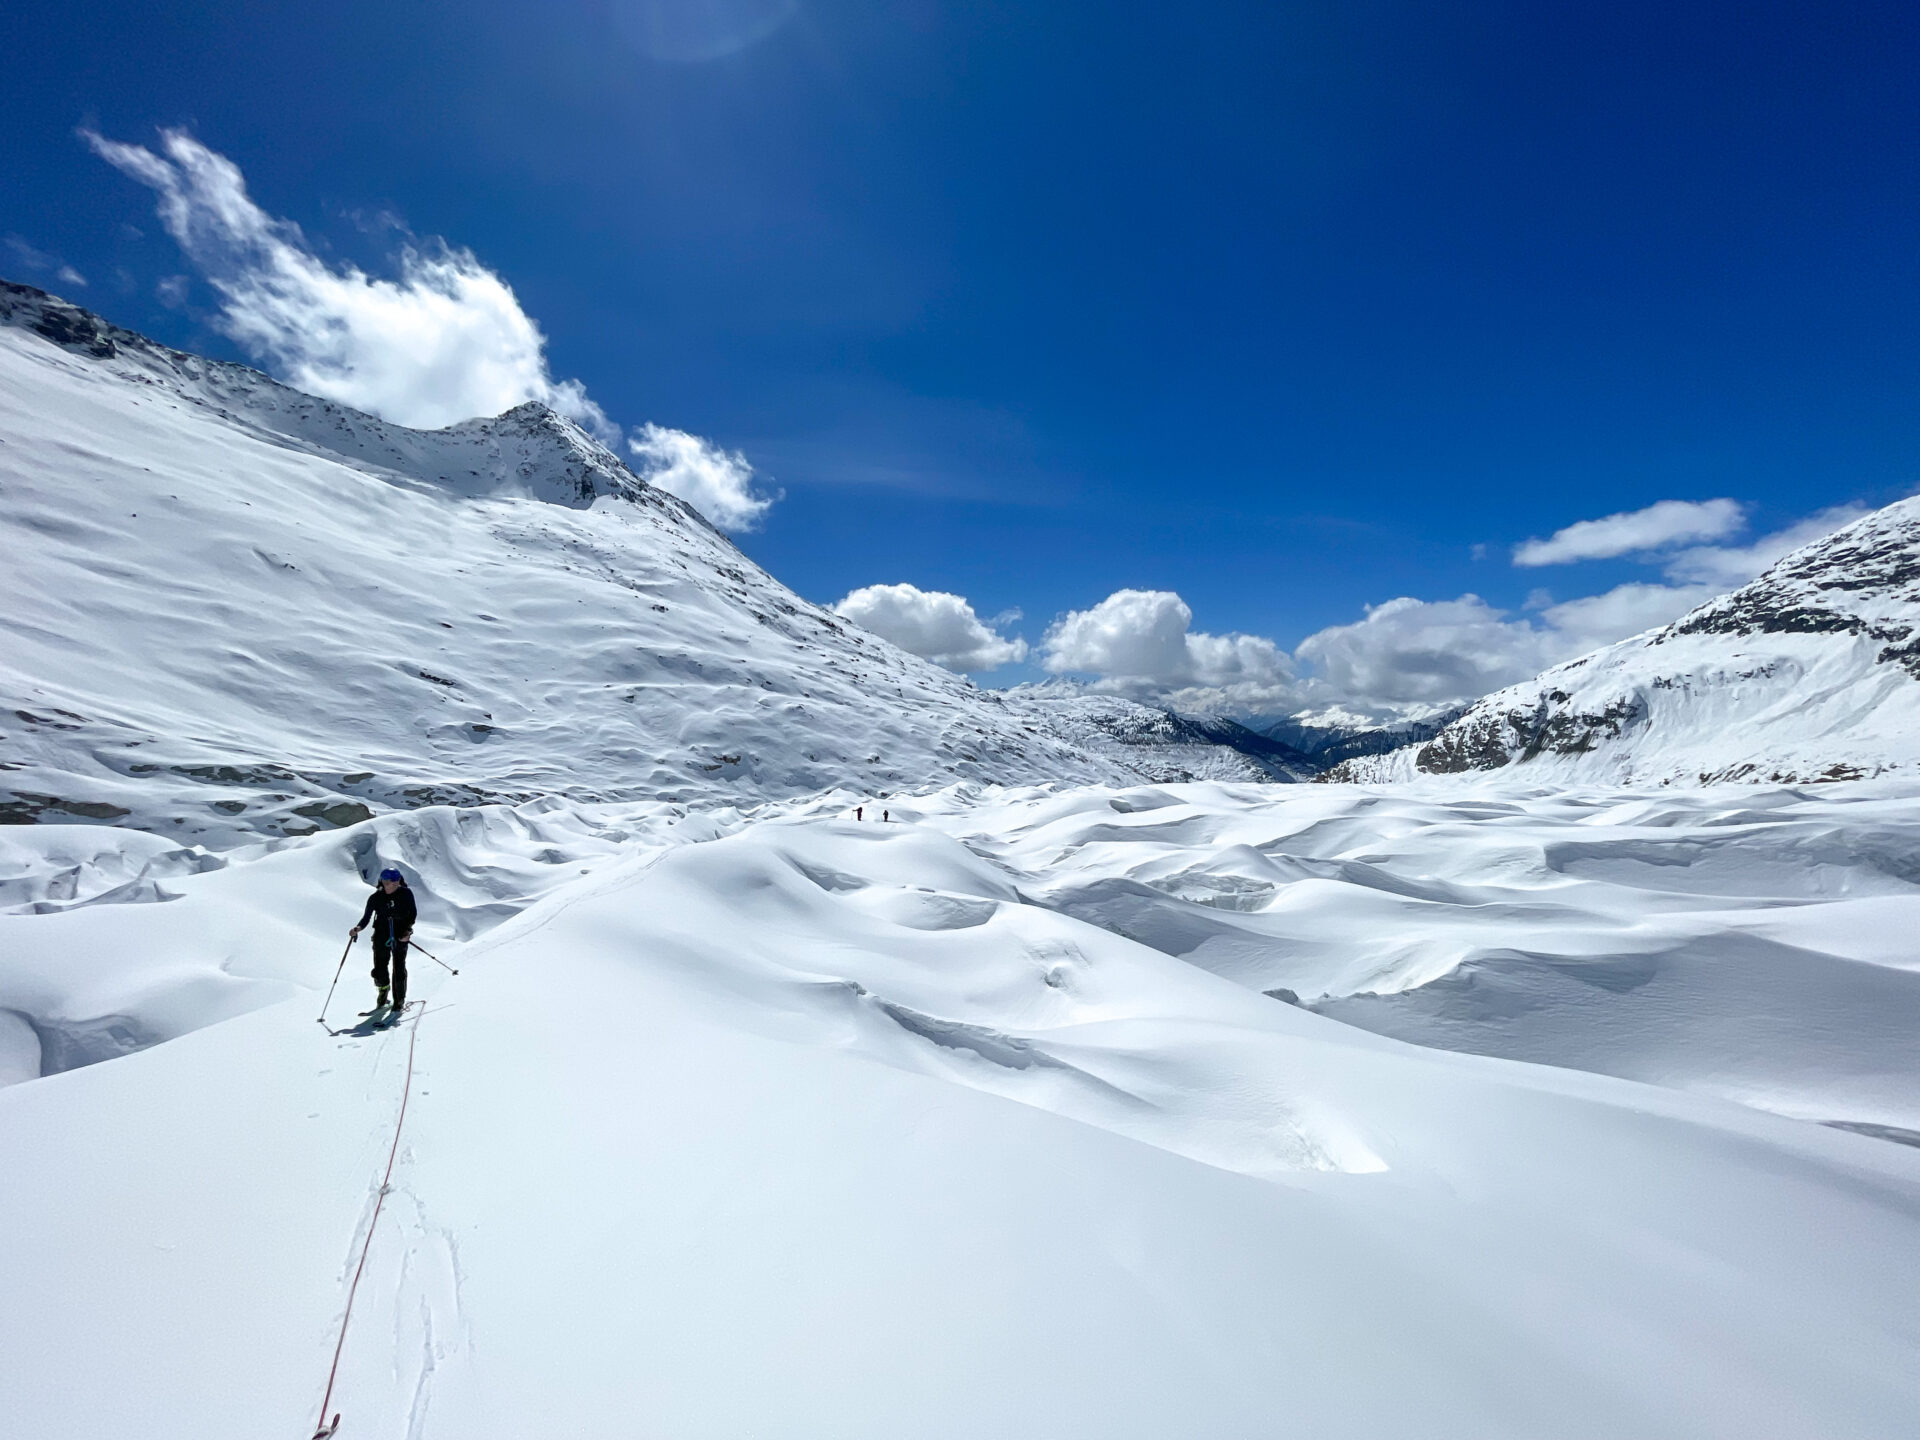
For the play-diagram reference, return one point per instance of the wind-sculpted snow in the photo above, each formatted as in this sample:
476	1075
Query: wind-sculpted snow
93	973
234	611
1810	672
838	1129
1753	945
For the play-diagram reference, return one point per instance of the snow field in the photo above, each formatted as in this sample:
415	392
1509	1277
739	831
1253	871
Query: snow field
1754	944
824	1128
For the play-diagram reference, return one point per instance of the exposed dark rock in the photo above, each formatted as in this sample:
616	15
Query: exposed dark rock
339	814
28	809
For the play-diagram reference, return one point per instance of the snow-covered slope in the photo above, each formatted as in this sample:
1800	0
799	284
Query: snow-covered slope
231	610
837	1130
1810	672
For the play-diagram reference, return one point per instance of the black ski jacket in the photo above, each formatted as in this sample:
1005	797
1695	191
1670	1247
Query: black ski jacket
396	914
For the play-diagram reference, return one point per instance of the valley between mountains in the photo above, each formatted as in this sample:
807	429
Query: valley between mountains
1518	1083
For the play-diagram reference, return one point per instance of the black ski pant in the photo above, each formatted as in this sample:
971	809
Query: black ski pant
396	958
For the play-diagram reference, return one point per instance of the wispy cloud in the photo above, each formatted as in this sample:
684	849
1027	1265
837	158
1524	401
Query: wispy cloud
1670	522
1724	568
933	624
444	341
691	32
35	261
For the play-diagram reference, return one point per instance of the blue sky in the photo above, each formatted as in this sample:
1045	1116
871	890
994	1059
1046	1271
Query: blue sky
1285	309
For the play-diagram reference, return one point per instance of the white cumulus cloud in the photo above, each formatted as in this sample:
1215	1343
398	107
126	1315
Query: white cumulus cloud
1409	652
932	624
716	482
1409	657
1141	643
1670	522
445	341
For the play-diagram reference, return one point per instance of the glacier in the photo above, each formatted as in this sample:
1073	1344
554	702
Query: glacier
1098	1089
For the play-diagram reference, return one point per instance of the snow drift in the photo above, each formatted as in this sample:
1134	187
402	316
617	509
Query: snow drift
828	1129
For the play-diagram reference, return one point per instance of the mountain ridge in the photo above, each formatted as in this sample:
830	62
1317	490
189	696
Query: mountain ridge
1809	672
241	611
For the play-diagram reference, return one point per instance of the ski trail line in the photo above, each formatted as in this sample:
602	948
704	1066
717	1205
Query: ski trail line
321	1427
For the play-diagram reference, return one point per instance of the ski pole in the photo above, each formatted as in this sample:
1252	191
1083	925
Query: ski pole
431	956
336	980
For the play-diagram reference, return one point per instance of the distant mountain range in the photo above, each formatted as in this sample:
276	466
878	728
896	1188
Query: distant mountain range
1326	745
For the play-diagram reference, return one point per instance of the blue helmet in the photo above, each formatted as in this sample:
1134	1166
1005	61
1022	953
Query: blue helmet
393	875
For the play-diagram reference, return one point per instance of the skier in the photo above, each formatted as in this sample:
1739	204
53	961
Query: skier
859	812
393	912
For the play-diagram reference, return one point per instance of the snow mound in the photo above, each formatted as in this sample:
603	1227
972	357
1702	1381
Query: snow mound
1749	947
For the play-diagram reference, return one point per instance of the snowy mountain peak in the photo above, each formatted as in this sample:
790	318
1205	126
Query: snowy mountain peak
527	451
1809	672
63	323
1863	581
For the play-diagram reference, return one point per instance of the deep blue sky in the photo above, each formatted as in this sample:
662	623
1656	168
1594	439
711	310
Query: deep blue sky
1282	306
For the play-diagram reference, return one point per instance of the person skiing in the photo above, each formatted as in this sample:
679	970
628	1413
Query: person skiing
392	911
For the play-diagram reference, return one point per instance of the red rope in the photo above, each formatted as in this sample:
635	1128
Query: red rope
322	1428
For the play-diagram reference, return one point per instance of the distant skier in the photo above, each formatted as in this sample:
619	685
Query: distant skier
392	911
859	812
886	816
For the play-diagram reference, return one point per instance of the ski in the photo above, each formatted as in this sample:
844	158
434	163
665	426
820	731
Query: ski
328	1429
